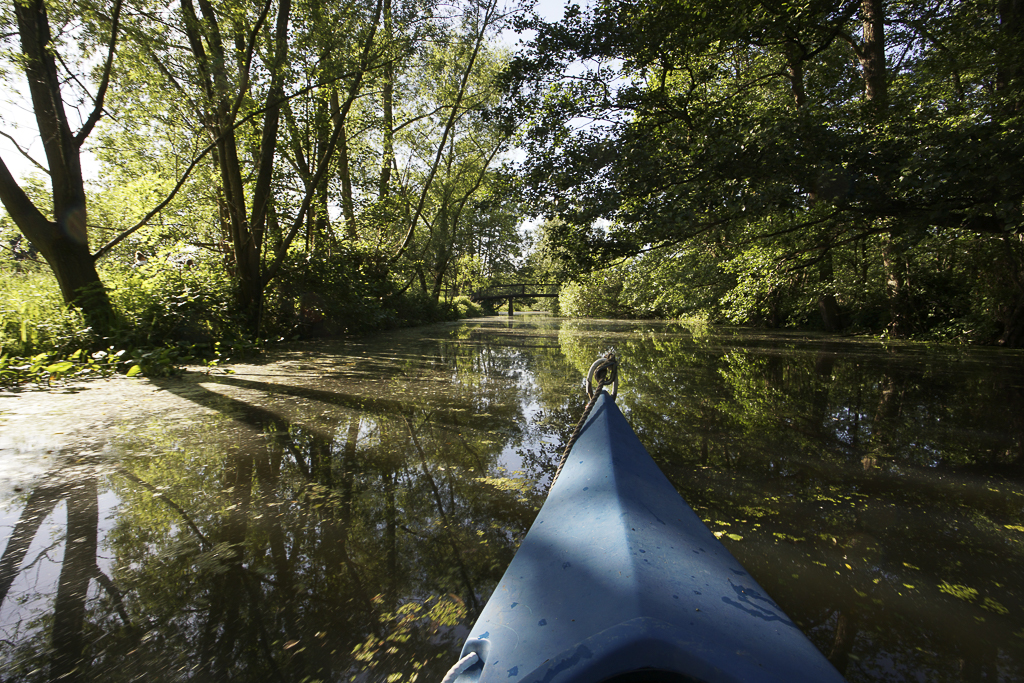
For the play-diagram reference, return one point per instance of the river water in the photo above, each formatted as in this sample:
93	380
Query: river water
341	511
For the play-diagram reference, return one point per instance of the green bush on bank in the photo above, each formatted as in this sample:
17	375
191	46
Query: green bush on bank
594	295
178	308
463	307
951	292
179	297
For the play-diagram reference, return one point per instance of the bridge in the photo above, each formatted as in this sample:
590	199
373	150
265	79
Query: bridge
519	290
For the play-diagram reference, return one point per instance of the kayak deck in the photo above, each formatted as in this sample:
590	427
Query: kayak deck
618	578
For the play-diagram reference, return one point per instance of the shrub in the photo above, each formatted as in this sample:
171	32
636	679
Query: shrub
174	296
593	295
465	308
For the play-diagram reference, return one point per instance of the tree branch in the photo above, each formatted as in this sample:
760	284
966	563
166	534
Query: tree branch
247	62
191	167
25	154
17	203
97	110
488	16
324	165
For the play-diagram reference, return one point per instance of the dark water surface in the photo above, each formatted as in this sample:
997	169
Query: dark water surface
342	511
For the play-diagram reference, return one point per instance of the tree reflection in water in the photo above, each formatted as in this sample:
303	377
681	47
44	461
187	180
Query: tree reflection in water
345	511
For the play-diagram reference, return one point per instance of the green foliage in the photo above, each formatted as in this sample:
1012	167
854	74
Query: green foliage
953	298
465	308
351	292
417	189
743	142
44	369
180	296
33	316
762	287
593	295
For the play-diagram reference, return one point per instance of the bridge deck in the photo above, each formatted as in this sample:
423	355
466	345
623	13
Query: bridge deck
488	297
516	291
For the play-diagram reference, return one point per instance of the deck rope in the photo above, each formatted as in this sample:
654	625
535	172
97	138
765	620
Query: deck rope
605	372
460	666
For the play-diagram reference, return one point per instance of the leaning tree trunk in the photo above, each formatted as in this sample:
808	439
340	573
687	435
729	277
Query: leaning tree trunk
63	241
64	244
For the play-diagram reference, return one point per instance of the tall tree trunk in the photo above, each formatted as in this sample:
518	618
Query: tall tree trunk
388	103
831	316
876	77
795	56
827	304
897	286
872	57
348	207
64	241
322	222
321	226
1009	69
246	229
1013	320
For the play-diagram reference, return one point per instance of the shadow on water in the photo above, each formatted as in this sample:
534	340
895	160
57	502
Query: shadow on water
335	514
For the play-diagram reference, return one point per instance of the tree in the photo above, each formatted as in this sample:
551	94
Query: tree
462	194
62	238
480	20
760	122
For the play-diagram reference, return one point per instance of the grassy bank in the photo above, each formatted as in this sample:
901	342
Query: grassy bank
173	311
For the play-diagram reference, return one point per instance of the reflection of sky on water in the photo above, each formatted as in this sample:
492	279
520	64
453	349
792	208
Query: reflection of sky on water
31	593
26	452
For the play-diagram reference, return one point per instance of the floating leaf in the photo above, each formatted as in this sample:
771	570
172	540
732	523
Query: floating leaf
994	606
959	591
734	537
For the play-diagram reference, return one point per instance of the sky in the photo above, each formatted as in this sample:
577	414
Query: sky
17	121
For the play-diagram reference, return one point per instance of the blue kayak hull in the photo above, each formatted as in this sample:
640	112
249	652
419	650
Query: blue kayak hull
619	577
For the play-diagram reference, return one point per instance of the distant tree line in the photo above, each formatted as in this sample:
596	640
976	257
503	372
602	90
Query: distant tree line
854	165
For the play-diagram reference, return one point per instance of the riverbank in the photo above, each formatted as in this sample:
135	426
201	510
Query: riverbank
167	316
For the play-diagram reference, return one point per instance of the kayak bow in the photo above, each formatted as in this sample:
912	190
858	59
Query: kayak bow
619	580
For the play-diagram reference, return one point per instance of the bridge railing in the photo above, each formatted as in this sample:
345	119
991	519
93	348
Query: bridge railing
517	289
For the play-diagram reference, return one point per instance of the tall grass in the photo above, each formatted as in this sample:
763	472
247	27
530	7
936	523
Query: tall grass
33	317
